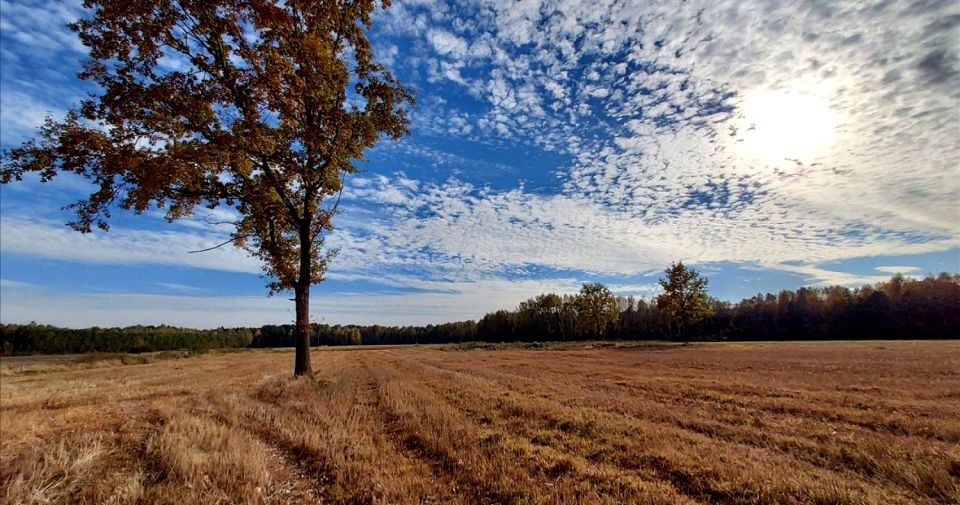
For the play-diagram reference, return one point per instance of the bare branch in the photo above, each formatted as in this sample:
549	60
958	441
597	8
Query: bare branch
211	248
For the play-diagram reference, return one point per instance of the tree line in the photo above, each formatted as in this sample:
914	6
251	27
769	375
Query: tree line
33	338
44	339
901	308
352	334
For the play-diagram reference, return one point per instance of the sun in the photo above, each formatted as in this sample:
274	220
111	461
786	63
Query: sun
784	125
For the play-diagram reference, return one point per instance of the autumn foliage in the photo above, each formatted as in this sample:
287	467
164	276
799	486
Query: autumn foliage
259	106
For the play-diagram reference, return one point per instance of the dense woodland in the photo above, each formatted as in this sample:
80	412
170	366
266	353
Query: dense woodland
900	308
38	338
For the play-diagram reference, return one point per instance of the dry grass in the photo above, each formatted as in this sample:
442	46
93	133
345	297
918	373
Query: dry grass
716	423
26	365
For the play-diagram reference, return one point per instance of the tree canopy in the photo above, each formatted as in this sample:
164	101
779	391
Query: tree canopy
596	308
257	105
684	295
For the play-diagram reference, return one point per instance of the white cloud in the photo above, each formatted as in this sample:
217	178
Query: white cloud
664	175
121	246
898	270
388	55
40	55
447	44
10	284
460	302
180	288
42	27
820	277
483	232
21	114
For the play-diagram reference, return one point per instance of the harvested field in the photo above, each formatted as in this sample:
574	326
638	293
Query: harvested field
873	422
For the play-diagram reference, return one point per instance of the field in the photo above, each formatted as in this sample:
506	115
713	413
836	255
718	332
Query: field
872	422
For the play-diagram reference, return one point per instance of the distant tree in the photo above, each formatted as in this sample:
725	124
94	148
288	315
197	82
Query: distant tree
338	335
684	297
539	317
261	106
894	287
551	309
597	308
497	326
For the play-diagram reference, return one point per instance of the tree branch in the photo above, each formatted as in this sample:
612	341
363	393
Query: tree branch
212	248
282	193
329	216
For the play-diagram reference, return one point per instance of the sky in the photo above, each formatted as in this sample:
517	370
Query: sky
770	145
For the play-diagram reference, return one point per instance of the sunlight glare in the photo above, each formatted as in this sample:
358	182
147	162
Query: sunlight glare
785	125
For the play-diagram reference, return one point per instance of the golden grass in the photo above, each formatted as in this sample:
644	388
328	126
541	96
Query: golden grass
846	423
28	365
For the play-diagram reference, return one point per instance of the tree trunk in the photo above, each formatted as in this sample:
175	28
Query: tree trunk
302	293
302	331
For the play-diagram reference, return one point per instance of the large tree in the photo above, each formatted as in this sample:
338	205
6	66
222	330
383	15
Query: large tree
684	296
258	105
596	309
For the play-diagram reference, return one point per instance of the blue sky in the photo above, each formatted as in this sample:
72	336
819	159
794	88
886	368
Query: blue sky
771	145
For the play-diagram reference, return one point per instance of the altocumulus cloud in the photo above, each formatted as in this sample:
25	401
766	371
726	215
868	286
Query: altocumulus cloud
648	103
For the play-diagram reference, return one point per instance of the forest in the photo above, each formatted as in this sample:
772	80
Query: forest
17	339
901	308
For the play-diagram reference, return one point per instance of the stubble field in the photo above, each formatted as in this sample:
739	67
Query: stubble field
872	422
